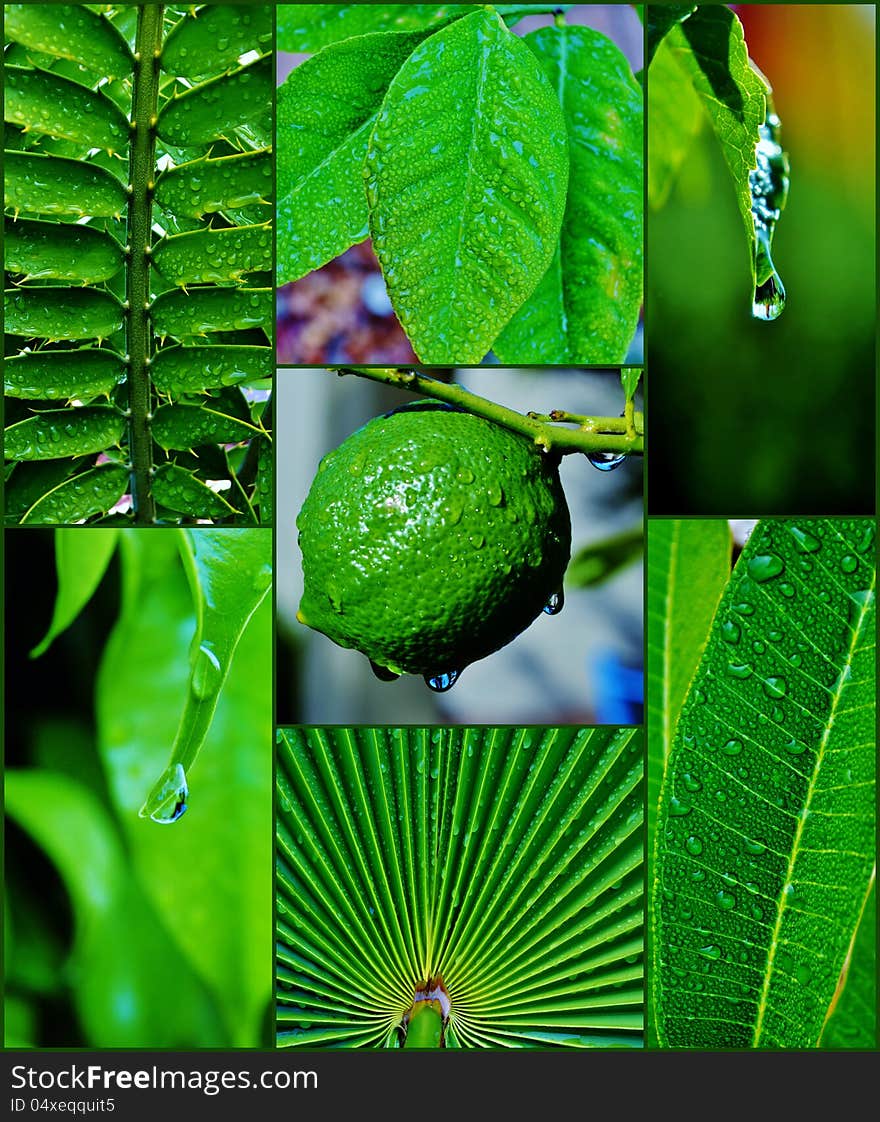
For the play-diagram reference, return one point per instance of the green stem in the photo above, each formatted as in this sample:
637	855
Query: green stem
594	434
142	161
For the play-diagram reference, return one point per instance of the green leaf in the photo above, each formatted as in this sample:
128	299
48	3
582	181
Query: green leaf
326	110
214	256
55	312
29	481
180	490
466	176
688	568
56	106
203	186
187	426
81	559
629	380
209	876
74	500
710	51
134	989
69	31
676	114
58	186
661	19
60	251
215	36
853	1019
57	433
595	563
61	375
586	307
178	370
502	864
182	314
211	111
765	842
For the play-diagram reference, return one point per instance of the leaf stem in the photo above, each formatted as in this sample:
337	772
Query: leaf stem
142	156
593	434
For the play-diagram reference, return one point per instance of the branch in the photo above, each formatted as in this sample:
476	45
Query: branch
593	434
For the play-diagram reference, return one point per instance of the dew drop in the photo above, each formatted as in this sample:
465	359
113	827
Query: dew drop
606	461
711	951
804	541
691	782
677	808
795	747
787	589
383	673
206	674
169	802
764	566
730	631
753	846
866	541
555	604
739	670
443	681
769	299
732	748
775	687
849	564
744	608
694	845
725	900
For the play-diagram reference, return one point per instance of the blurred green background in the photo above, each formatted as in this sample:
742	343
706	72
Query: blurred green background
750	417
120	932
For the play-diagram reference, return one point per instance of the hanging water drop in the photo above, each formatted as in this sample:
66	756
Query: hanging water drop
169	801
768	185
555	604
383	673
443	681
206	673
606	461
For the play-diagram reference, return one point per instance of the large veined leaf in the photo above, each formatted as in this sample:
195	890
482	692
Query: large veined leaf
166	211
765	842
466	175
586	307
661	19
459	887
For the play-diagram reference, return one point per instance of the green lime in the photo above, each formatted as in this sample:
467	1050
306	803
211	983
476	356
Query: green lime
431	538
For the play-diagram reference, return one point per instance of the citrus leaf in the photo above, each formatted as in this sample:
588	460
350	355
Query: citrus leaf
56	312
325	111
58	186
466	176
203	186
60	375
214	256
180	490
710	52
595	563
177	370
586	307
210	111
59	107
676	114
121	948
74	500
629	380
215	36
64	432
81	559
661	19
853	1019
187	426
502	864
182	314
765	842
69	31
60	251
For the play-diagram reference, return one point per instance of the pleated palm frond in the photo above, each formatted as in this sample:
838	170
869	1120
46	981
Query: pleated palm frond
491	876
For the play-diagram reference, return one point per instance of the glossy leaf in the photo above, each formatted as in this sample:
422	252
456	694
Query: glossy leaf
689	565
506	863
629	380
61	375
586	307
211	111
209	875
55	312
595	563
765	842
214	36
326	110
54	185
64	432
121	948
60	251
81	559
56	106
28	481
70	31
89	493
661	19
203	186
214	256
676	115
201	311
187	426
711	54
466	176
178	370
180	490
